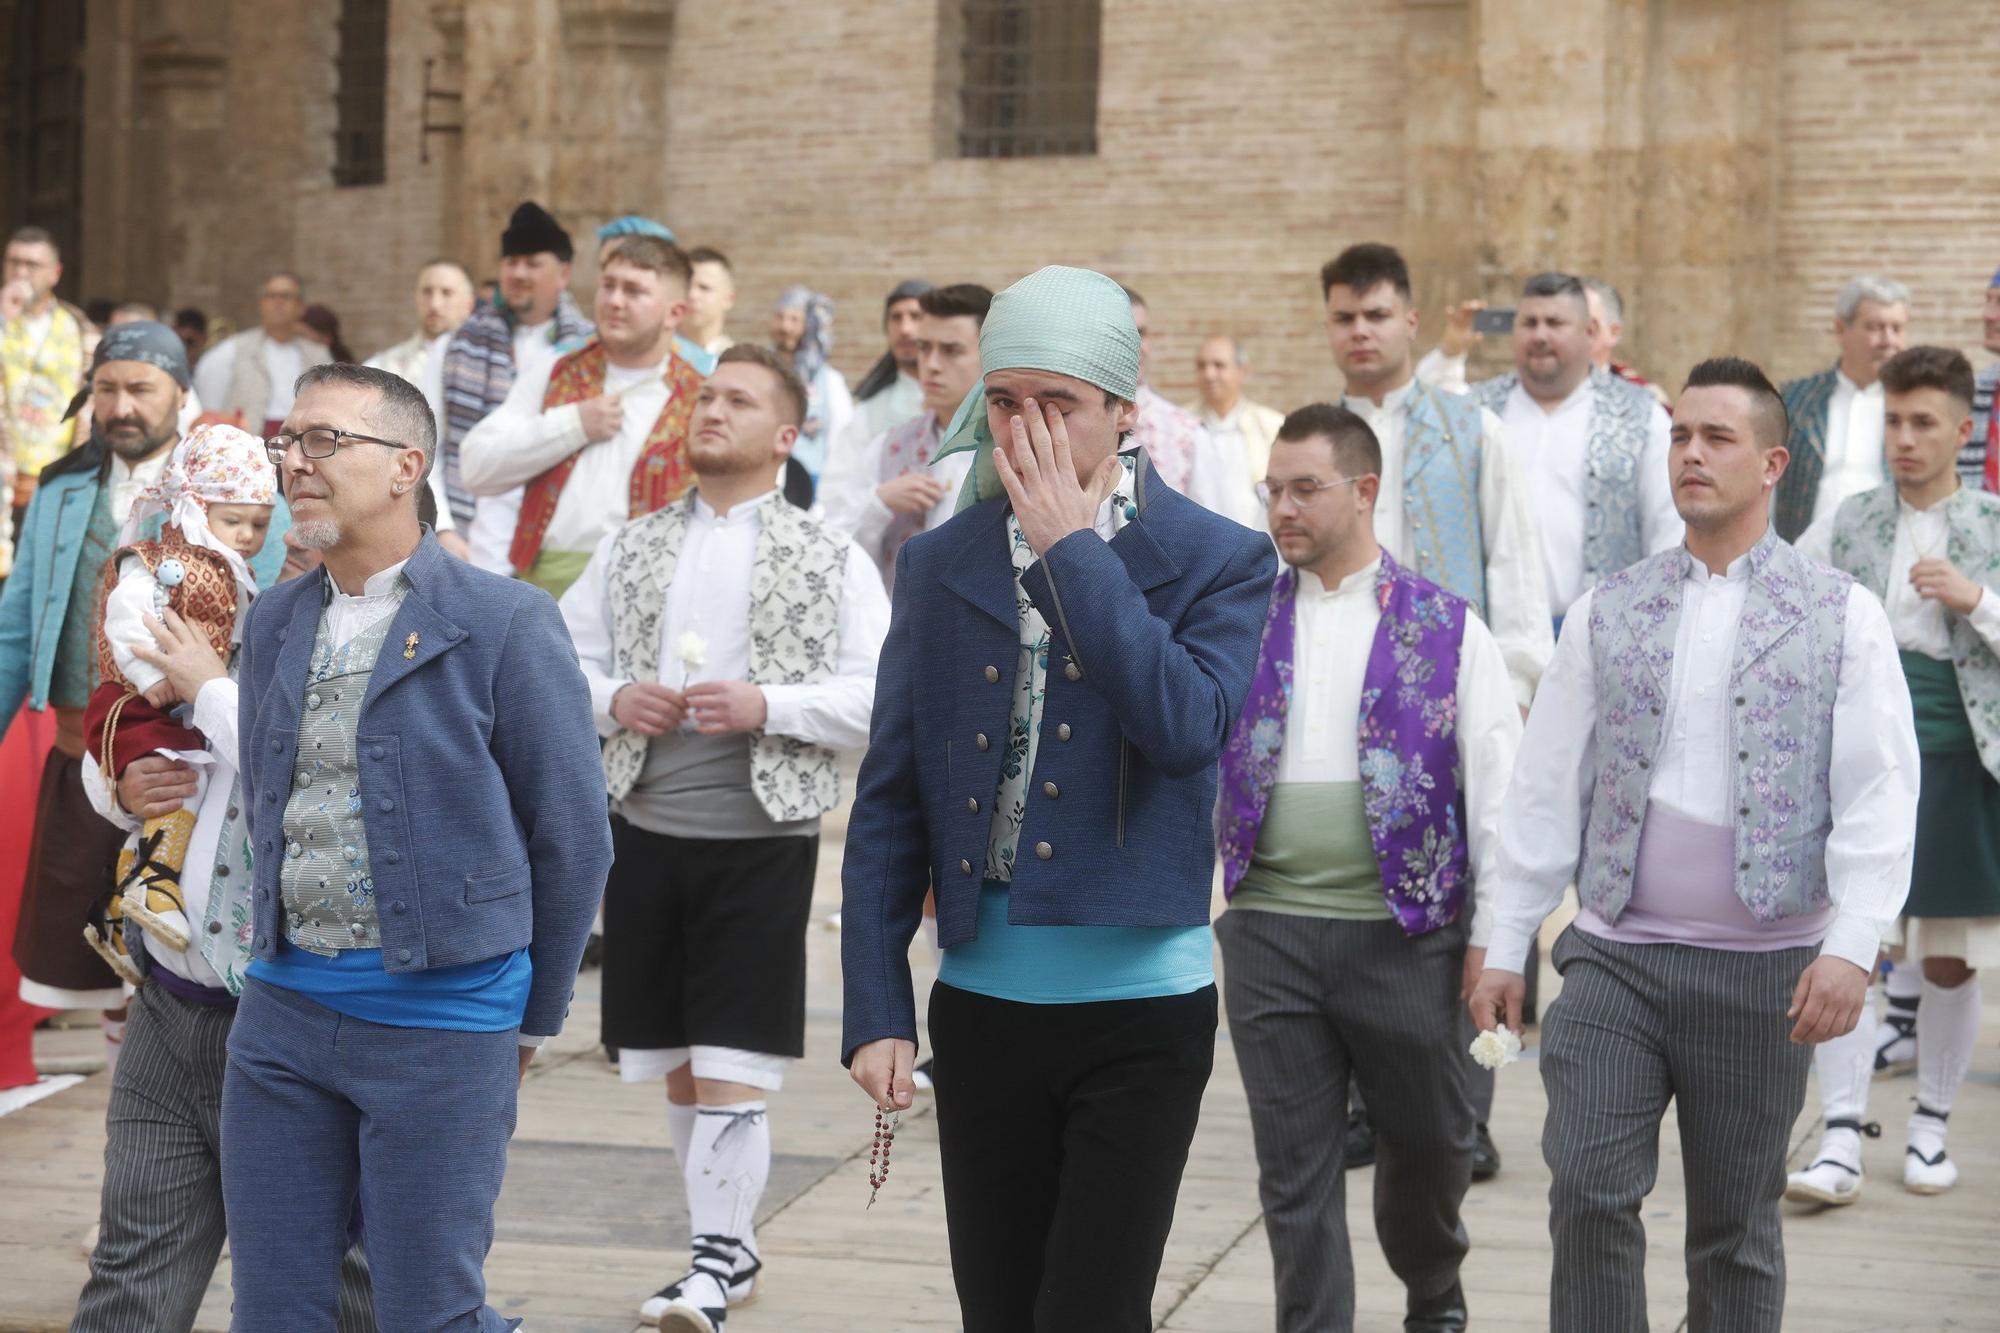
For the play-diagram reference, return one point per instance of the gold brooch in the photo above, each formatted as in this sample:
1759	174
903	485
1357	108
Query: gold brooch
410	647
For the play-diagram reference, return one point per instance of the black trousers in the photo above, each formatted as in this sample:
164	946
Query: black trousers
1063	1130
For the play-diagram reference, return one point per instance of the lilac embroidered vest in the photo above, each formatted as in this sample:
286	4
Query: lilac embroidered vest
1409	747
1782	683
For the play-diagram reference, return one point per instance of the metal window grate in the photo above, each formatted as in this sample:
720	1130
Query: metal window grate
361	99
1028	78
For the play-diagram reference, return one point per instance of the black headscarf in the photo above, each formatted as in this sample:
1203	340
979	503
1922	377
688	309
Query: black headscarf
883	373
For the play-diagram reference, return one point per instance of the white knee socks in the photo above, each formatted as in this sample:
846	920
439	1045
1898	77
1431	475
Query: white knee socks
680	1124
1844	1066
726	1168
1944	1053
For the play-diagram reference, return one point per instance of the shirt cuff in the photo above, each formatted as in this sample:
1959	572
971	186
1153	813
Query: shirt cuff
1481	933
1507	948
1985	617
602	692
208	701
528	1041
784	709
1853	939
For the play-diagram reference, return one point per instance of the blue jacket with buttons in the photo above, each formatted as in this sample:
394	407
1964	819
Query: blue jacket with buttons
481	787
36	597
1153	637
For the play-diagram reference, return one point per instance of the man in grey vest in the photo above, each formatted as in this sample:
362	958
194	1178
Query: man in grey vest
1929	546
1722	757
248	377
729	641
1591	446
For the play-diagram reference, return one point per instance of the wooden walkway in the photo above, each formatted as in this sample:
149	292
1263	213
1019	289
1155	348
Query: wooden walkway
591	1221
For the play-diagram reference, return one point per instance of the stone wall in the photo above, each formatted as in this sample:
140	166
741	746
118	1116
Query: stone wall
1728	165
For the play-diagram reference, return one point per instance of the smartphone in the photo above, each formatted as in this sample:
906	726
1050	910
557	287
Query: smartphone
1493	321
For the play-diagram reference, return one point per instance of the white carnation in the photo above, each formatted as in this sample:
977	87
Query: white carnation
1501	1046
692	649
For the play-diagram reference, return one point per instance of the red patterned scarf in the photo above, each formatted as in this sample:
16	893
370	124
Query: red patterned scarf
660	476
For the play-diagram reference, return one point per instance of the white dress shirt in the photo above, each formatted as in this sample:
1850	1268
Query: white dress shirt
129	480
846	497
1922	624
490	535
215	719
1551	449
1853	443
420	360
1872	774
711	596
1517	597
1332	629
216	370
518	441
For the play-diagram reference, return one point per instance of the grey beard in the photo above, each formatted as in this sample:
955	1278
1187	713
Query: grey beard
316	534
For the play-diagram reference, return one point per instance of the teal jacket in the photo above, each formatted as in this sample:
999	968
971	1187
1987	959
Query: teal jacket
46	557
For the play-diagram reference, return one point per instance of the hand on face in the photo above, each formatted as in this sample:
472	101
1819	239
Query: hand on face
1039	475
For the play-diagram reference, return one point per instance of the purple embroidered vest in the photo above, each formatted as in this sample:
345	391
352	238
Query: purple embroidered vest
1410	775
1783	681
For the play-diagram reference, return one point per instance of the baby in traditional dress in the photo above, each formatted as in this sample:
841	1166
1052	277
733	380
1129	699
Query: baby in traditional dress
216	494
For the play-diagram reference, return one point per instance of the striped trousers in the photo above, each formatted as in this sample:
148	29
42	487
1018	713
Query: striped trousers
1638	1025
1319	1006
162	1205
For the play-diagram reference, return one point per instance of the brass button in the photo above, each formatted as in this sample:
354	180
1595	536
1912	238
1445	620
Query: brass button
972	804
992	675
1073	671
1050	790
1044	851
981	741
965	867
1062	732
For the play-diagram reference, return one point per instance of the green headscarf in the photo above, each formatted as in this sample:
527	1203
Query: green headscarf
1069	321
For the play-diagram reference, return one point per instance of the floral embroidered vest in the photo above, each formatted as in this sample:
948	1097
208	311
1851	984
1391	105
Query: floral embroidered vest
659	477
206	598
1864	543
1782	686
795	584
1614	451
1441	460
1410	777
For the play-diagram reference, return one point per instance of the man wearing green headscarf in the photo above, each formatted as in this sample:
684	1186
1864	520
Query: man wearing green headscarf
1064	664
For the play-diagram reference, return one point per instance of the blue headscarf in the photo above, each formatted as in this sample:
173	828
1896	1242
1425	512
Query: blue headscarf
817	341
634	225
144	340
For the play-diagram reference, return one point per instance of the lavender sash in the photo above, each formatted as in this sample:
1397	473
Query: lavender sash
1408	740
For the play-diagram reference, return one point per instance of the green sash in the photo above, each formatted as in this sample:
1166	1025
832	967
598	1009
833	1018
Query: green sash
1942	726
554	571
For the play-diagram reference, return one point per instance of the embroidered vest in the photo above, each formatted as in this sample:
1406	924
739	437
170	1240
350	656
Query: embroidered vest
796	577
1782	686
1864	543
326	881
206	598
1441	458
659	477
1613	453
1410	777
249	394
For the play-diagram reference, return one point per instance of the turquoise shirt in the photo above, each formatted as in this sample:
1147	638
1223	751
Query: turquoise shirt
486	996
1075	964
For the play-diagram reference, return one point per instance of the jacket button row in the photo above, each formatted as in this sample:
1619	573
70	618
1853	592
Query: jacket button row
385	805
392	856
1050	790
397	907
992	675
1073	671
981	741
215	927
1062	732
1044	851
402	955
972	804
965	867
375	753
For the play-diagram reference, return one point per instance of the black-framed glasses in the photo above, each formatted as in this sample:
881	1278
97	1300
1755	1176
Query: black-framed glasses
1303	490
319	442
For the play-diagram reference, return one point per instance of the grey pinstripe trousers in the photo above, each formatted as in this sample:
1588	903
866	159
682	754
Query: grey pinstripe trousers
1314	1004
162	1202
1635	1026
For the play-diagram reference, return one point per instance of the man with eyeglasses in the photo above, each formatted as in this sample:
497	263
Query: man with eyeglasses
418	734
1359	797
249	377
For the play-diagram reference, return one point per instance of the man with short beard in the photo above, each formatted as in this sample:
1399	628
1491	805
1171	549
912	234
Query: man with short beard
48	624
531	321
1591	445
889	394
601	436
719	762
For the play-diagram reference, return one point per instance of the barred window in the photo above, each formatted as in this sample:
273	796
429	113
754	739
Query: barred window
1027	83
360	137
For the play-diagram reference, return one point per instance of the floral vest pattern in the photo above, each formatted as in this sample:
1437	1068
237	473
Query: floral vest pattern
795	586
206	598
659	477
1614	451
1864	543
1782	686
38	377
1441	462
1411	781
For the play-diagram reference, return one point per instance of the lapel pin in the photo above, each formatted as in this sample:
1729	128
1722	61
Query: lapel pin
410	647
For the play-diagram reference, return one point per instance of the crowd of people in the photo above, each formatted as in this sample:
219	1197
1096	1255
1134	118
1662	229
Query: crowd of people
342	659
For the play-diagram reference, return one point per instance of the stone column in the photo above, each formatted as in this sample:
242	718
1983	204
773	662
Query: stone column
611	103
509	85
177	243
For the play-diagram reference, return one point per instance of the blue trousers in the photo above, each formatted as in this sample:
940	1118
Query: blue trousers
319	1110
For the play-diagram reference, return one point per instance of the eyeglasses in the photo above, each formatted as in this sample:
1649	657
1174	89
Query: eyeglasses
319	442
1303	490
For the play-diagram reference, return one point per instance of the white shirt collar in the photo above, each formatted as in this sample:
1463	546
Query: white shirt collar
1392	402
742	512
1738	571
377	585
1842	384
1361	579
1937	509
